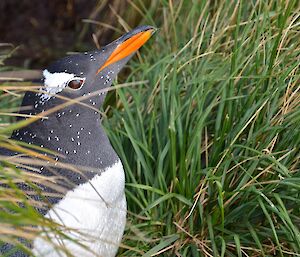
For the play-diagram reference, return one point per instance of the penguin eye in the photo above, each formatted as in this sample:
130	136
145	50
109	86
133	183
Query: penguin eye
75	83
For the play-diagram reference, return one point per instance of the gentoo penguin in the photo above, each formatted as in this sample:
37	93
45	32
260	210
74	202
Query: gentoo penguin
85	187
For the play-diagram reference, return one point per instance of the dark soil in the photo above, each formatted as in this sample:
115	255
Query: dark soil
46	29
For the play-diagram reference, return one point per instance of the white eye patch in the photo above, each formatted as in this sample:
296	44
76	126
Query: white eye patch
54	83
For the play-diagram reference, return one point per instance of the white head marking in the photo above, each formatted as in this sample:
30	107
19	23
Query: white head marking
54	83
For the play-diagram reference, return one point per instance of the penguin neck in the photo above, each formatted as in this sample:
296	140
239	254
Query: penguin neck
78	136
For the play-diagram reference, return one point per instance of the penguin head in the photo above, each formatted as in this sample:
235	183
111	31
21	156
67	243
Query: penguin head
85	76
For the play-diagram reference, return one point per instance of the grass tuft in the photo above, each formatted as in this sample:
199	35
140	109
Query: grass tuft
210	144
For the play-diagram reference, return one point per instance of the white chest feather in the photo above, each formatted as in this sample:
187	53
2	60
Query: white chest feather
95	215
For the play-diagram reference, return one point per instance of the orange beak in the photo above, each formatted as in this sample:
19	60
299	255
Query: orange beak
128	47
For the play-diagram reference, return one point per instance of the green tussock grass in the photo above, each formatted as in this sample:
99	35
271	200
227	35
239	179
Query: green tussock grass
209	137
210	143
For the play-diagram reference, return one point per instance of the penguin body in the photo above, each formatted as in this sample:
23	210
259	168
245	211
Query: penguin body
98	223
84	185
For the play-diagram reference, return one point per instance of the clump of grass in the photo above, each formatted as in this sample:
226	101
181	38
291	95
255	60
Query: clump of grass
210	144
